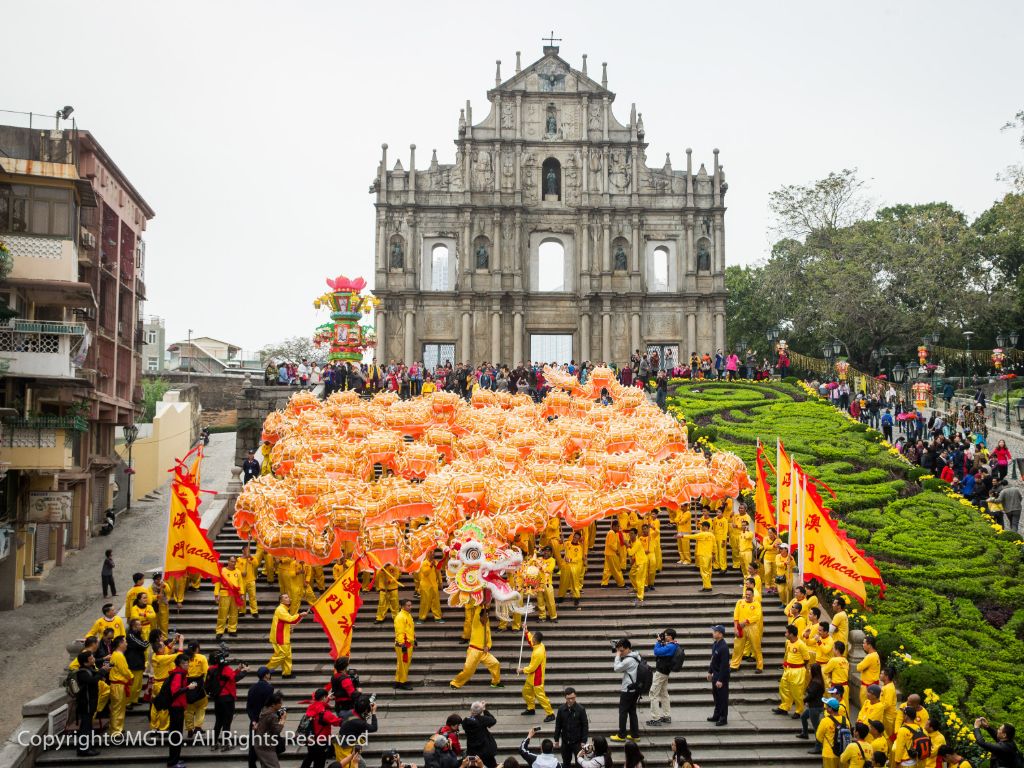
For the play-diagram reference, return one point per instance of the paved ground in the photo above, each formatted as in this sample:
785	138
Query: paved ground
62	606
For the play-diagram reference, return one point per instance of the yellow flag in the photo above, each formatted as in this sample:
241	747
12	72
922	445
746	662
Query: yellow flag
830	556
786	492
336	609
764	511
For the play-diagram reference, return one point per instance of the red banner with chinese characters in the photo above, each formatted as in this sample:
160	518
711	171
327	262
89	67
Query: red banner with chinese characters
764	510
830	556
336	611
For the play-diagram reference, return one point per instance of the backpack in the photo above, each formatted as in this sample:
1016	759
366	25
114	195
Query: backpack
678	658
842	737
920	743
162	701
212	682
643	677
305	728
71	686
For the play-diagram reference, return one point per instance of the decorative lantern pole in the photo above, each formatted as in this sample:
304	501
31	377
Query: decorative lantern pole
131	432
346	339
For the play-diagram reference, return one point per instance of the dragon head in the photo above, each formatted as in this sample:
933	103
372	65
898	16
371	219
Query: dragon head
478	571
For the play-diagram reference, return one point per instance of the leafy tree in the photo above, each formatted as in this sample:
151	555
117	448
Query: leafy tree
821	208
750	308
294	349
1014	173
998	239
152	391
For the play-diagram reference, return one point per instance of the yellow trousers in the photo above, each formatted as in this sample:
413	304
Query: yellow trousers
535	693
467	622
656	552
683	546
750	643
652	571
137	676
734	545
119	696
704	564
318	578
163	618
403	658
250	594
104	697
195	714
177	588
159	721
227	613
281	658
474	656
570	579
269	567
721	561
430	602
746	558
791	689
638	579
785	592
387	600
194	581
546	603
612	570
768	571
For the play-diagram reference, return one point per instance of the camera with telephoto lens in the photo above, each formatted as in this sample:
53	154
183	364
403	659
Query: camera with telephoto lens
281	712
588	751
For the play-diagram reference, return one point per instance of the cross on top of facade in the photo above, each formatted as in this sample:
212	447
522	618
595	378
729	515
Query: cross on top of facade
551	40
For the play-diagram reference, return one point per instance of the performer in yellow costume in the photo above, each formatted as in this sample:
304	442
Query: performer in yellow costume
164	655
430	600
405	641
682	518
387	592
638	568
748	622
766	560
246	565
704	552
120	686
720	528
837	671
870	668
546	594
109	620
227	605
794	674
571	581
745	542
281	636
479	651
654	524
159	598
198	666
536	673
784	565
614	555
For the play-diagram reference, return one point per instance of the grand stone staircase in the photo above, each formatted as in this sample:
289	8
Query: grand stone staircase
579	654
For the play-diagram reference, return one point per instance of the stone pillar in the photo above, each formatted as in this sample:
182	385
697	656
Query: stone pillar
496	250
381	327
583	237
412	174
467	344
634	244
495	336
519	125
719	244
604	132
691	263
519	164
604	170
410	337
634	332
606	336
719	330
606	246
584	337
412	249
382	245
466	252
691	336
517	338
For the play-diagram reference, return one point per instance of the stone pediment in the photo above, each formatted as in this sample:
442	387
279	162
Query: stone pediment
551	74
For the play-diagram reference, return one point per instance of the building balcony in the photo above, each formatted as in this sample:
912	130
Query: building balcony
37	349
38	257
41	443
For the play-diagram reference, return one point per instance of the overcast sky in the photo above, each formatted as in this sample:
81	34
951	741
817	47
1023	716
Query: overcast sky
254	128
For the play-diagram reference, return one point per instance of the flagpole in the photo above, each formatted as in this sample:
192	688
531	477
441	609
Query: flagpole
778	478
803	505
522	640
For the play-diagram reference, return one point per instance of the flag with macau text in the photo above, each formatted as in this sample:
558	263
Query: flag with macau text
336	611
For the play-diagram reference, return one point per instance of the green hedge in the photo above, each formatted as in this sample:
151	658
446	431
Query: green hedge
955	587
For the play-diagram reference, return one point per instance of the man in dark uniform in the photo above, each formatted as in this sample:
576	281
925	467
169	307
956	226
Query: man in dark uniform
250	467
718	675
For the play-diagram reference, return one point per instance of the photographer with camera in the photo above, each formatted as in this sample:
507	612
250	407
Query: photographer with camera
361	721
627	661
479	740
546	758
222	686
596	755
268	728
344	686
665	650
572	728
256	699
391	759
318	719
438	753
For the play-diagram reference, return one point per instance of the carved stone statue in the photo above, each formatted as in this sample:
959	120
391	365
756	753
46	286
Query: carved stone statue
705	226
620	258
594	119
397	255
552	124
551	183
506	115
703	258
482	257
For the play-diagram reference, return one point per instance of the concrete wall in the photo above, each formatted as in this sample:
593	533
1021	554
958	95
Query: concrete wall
216	391
254	404
169	438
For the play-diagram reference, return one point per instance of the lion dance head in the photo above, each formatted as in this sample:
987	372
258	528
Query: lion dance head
479	568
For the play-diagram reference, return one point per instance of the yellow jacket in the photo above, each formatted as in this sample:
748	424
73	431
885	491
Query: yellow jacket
869	711
281	625
823	649
164	591
130	595
480	634
102	623
857	754
796	654
246	566
904	737
826	733
146	617
758	587
705	542
405	628
720	527
163	663
682	518
746	540
638	551
549	570
614	543
842	628
119	671
537	667
573	556
889	700
837	670
232	577
938	740
745	612
870	669
339	569
387	581
428	577
198	666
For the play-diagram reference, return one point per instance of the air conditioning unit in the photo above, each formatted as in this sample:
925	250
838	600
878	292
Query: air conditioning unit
85	313
87	239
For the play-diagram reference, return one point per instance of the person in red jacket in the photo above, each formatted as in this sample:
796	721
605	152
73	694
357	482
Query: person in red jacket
179	686
320	742
224	692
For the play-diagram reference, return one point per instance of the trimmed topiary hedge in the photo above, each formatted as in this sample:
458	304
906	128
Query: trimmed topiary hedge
955	597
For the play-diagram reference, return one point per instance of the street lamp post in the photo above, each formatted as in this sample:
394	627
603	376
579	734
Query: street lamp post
131	432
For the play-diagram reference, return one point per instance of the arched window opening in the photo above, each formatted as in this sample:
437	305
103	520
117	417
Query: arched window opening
439	268
660	265
551	266
551	180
